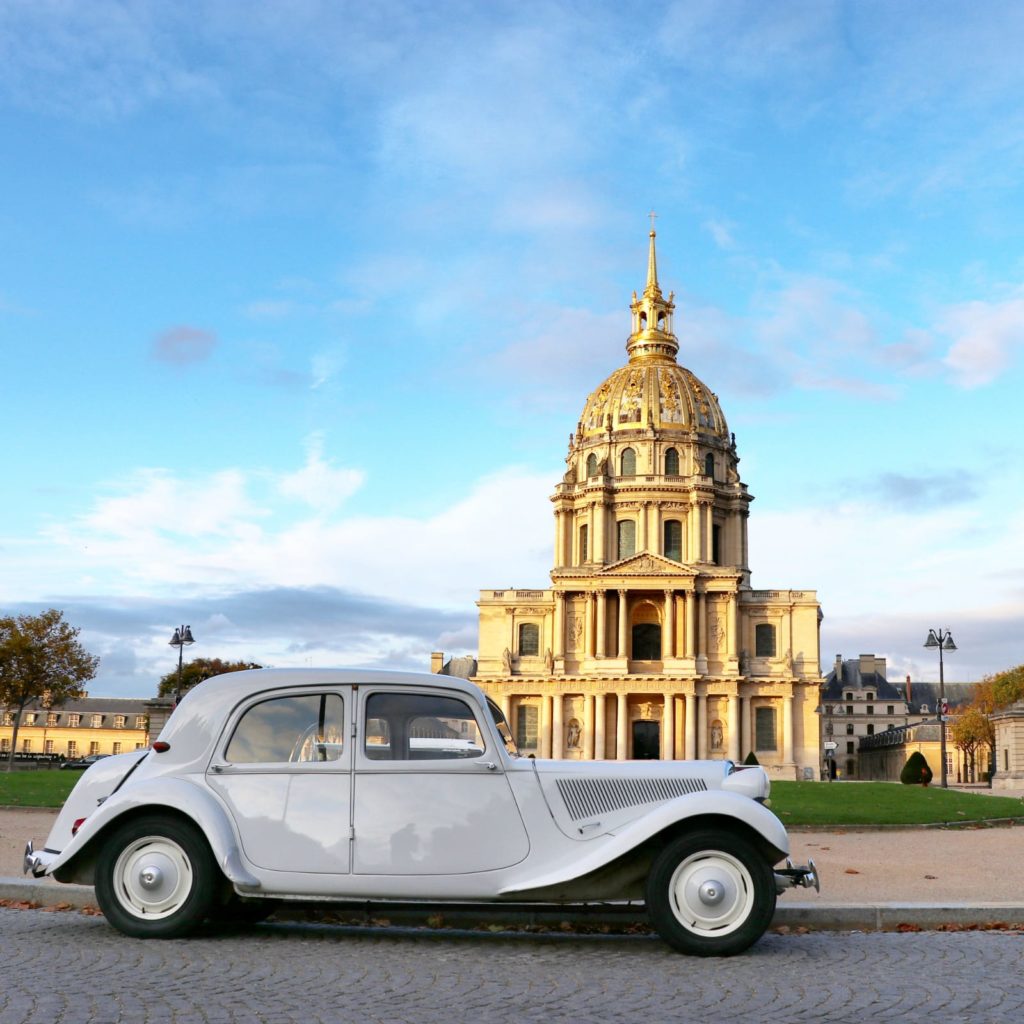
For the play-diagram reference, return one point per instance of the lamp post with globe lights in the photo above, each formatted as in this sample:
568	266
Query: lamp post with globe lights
943	640
182	638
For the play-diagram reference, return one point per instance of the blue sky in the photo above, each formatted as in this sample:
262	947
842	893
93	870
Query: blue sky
300	301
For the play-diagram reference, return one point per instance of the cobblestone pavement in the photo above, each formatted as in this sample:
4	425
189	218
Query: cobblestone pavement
74	969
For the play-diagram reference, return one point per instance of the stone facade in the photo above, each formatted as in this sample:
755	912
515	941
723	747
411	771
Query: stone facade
651	641
1009	743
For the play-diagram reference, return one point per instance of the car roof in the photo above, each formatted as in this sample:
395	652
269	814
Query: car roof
202	710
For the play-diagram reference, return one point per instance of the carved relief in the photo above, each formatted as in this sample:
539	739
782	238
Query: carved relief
574	630
629	404
716	736
716	631
671	407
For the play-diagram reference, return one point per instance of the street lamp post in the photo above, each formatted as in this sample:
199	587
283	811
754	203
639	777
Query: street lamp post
182	638
943	640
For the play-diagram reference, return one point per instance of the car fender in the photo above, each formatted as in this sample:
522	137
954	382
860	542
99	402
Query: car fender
181	796
716	803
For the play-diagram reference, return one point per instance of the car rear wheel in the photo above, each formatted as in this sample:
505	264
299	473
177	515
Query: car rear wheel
710	894
156	878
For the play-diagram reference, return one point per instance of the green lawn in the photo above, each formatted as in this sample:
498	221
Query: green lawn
884	803
43	788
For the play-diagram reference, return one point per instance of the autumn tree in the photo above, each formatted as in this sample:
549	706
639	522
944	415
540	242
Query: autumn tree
40	659
198	669
1007	687
971	733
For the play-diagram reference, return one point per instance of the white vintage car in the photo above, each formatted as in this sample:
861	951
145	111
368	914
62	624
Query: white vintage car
319	785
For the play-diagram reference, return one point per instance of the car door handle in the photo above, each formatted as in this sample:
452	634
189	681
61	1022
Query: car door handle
218	768
489	765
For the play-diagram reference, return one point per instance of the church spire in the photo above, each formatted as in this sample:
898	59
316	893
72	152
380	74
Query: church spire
652	338
652	287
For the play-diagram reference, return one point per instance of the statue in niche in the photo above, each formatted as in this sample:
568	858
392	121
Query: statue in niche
506	661
549	662
572	735
717	735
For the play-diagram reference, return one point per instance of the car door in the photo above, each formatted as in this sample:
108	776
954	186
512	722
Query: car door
284	770
430	793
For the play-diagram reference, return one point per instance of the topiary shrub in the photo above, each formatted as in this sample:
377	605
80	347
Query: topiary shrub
751	758
916	771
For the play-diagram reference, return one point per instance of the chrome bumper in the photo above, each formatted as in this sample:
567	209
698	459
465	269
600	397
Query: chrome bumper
789	877
36	861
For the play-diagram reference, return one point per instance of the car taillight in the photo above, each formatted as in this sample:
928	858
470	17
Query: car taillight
161	746
77	825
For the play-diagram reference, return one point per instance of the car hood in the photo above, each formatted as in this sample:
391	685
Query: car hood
589	798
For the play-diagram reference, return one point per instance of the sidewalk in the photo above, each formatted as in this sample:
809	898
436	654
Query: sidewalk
871	880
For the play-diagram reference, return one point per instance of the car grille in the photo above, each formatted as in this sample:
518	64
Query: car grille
585	798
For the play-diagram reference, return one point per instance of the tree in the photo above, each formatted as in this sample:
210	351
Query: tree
198	669
40	659
1007	687
972	732
916	771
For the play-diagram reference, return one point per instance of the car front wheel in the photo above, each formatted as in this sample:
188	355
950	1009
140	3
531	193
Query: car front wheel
710	894
156	878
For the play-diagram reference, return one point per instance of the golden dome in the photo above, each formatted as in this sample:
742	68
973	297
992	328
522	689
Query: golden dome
659	395
652	390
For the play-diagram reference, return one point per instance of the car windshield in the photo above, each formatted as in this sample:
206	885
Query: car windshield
506	733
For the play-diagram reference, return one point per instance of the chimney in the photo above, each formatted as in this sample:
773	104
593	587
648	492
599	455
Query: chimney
839	668
436	661
909	698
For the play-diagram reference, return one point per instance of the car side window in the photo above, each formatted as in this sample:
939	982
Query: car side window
290	730
420	727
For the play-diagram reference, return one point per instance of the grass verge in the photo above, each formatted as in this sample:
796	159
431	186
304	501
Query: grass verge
43	788
885	803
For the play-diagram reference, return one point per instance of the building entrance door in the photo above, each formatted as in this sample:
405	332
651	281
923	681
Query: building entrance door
646	741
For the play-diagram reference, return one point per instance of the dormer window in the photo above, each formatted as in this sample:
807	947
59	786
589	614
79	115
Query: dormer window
628	462
591	465
672	462
709	465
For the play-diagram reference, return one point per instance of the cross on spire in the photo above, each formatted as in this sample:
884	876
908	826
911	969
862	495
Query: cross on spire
653	216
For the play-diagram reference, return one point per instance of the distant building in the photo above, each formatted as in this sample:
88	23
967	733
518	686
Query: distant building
858	702
79	726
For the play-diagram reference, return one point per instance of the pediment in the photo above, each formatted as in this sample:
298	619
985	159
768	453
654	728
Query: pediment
646	564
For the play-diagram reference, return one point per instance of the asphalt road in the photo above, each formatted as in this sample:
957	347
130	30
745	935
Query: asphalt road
68	968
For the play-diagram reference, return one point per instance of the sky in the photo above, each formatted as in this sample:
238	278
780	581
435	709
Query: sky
299	303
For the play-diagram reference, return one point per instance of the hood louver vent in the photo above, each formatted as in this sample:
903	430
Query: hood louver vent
585	798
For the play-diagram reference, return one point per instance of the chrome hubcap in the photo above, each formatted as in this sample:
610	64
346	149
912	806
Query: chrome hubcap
152	877
711	893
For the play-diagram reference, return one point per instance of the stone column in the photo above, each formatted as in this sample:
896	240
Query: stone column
702	727
734	728
690	744
602	622
709	521
599	723
588	727
621	730
691	623
588	626
599	516
702	625
668	636
545	727
730	648
787	730
641	541
558	640
557	730
745	744
506	707
668	728
623	646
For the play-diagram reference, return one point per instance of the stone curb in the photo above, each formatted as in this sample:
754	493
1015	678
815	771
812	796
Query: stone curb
812	915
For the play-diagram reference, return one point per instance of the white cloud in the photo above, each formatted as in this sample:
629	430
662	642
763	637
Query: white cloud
318	484
986	338
183	345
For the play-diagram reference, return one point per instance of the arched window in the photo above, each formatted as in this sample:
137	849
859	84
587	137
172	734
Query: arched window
671	462
591	464
627	462
661	321
643	321
584	541
709	465
764	640
529	639
626	538
674	540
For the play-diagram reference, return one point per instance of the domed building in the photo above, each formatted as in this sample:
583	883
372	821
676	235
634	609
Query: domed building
650	642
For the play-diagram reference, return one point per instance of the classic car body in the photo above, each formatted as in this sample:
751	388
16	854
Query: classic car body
306	785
